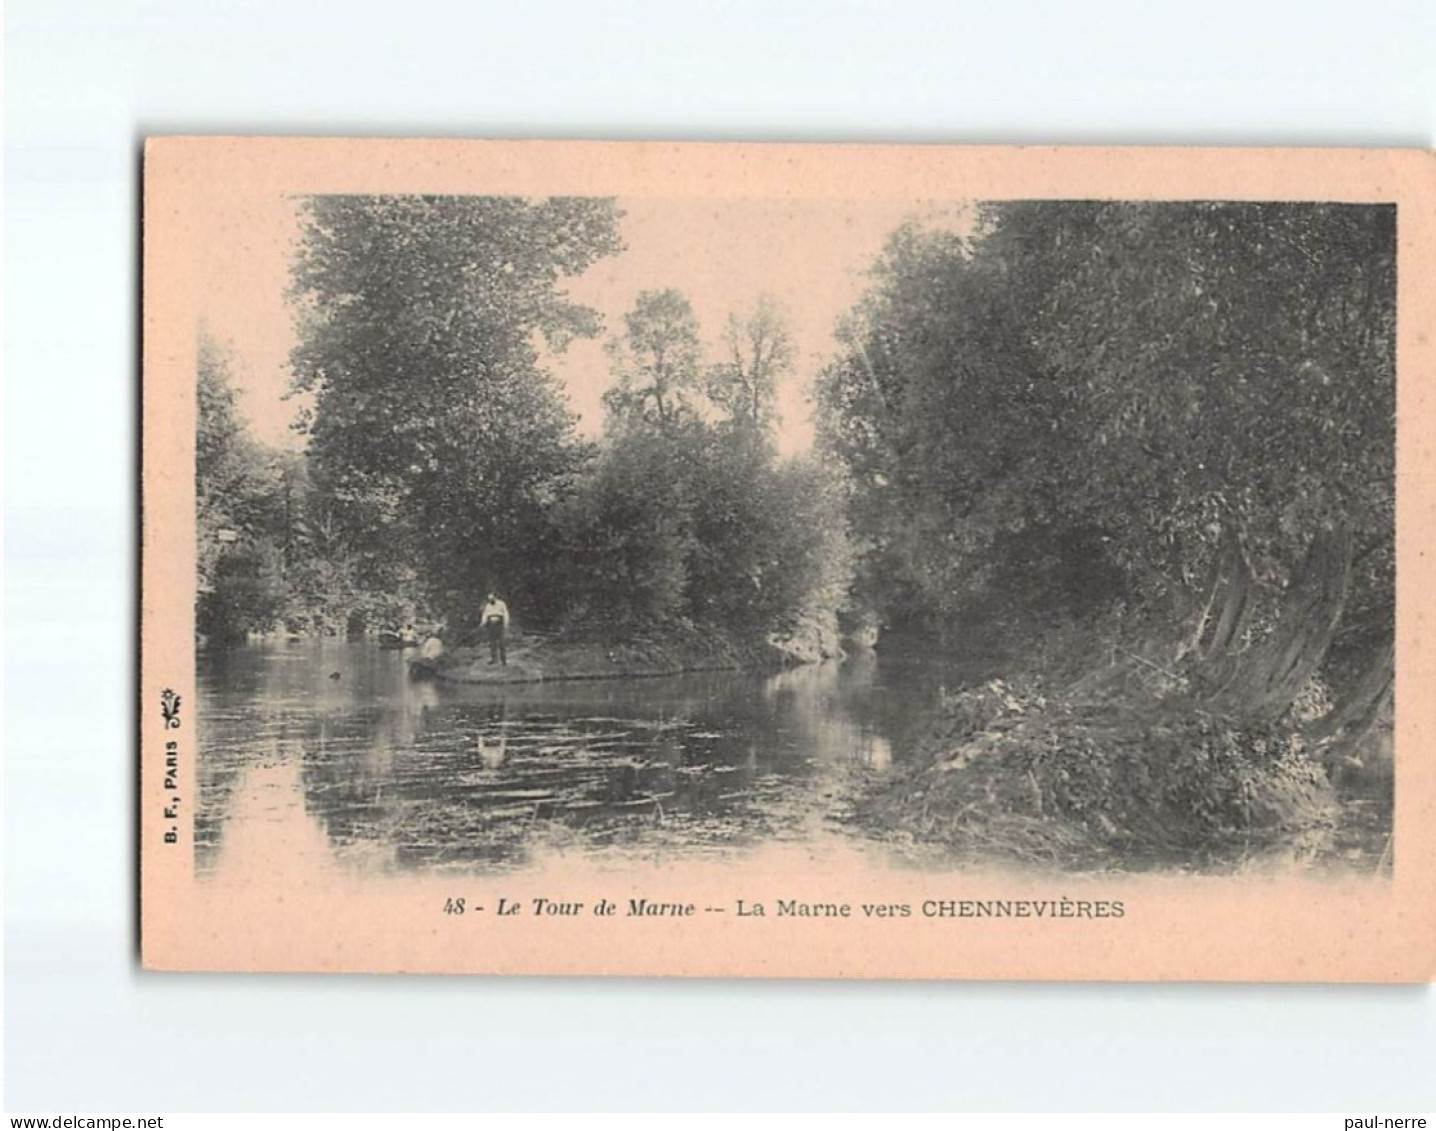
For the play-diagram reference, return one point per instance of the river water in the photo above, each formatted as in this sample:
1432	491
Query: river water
324	754
327	750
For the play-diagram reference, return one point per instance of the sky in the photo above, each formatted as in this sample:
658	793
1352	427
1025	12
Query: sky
811	256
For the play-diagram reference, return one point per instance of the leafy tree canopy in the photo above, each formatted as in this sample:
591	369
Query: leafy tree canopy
1143	384
657	362
759	353
434	423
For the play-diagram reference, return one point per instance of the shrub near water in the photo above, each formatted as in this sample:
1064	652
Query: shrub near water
1008	772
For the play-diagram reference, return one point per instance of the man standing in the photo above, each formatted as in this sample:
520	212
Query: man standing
495	619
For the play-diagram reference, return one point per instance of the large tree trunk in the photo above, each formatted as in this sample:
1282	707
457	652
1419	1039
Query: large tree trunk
1272	673
1224	621
1239	601
1340	734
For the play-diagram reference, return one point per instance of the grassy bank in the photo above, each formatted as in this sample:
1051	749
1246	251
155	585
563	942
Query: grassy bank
1123	769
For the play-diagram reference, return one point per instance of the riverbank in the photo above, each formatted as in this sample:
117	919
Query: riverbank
1125	771
675	650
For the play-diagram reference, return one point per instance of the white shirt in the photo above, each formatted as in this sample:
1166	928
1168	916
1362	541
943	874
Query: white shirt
495	608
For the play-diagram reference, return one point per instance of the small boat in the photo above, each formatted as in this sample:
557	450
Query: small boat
398	640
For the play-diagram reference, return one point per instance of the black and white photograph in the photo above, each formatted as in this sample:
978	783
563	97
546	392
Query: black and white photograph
1052	534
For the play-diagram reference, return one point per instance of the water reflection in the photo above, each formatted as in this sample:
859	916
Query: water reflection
332	739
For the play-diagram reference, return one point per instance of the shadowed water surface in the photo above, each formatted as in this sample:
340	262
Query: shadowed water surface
326	750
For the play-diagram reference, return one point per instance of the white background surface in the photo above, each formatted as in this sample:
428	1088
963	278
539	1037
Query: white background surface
85	1031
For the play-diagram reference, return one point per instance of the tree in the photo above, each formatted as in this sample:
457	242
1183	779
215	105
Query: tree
1231	364
936	408
760	353
438	436
238	587
231	476
656	362
684	518
1238	377
629	531
1192	403
694	522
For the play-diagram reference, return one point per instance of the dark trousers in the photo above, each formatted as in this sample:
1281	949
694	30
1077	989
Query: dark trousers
497	631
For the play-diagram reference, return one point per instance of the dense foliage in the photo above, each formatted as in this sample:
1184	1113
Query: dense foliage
442	460
657	362
1153	441
235	491
1083	404
438	433
687	512
698	523
1170	428
271	549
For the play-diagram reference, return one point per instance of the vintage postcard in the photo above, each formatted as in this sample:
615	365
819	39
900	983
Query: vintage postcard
787	560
